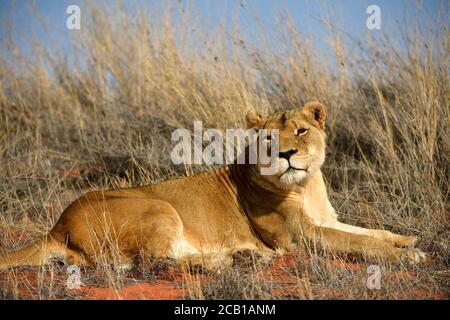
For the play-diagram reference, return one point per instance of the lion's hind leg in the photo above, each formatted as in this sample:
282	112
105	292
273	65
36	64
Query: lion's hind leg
214	262
42	252
161	231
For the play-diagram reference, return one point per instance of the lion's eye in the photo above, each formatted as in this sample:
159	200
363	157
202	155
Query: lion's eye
301	131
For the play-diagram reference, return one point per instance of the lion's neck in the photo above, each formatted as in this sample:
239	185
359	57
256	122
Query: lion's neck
271	211
252	193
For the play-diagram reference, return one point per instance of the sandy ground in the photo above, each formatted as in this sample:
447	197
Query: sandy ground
284	274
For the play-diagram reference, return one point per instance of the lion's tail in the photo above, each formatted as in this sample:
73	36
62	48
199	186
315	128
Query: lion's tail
35	254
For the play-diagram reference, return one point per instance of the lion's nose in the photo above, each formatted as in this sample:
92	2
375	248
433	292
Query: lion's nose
287	154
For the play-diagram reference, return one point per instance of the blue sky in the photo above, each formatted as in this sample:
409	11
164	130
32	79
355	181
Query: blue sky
350	14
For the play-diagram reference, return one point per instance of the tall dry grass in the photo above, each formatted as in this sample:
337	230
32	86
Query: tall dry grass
135	79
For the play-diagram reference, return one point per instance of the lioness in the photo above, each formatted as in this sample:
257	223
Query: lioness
209	216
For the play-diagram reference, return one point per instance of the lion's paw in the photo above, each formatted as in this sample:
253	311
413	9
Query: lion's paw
414	256
406	242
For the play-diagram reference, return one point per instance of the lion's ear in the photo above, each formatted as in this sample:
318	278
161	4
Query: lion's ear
316	112
254	120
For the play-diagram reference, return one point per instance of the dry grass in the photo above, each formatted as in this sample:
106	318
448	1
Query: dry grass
111	114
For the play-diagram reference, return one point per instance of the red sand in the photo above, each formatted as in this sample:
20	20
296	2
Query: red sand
161	290
287	275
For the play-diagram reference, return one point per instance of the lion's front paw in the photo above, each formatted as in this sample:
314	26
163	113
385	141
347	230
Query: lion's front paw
405	241
413	256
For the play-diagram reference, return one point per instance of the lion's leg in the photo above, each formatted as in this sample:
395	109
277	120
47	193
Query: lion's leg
392	238
78	258
163	233
341	241
42	252
210	261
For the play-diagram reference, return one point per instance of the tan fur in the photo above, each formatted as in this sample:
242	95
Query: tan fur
206	217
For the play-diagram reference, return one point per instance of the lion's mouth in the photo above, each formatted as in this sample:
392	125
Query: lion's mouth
292	169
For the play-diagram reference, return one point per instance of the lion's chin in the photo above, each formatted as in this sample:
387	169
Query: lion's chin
293	177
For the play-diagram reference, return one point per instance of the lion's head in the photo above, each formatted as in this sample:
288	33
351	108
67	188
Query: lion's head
301	142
